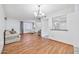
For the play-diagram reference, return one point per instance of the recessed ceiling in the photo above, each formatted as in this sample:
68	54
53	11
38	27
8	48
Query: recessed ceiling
26	11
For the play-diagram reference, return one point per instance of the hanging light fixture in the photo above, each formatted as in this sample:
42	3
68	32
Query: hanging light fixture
38	13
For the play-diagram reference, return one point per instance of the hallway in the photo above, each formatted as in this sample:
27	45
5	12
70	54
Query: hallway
34	44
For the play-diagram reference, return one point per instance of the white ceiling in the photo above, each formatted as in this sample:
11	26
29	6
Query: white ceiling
26	11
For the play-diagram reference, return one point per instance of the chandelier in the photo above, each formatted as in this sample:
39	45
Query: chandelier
38	13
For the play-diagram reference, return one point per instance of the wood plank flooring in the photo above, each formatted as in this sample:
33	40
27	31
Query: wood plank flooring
34	44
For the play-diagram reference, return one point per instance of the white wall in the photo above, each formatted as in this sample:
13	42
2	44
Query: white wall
73	26
13	23
1	28
37	26
44	27
72	35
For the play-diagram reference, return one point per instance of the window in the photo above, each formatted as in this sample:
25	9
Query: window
27	26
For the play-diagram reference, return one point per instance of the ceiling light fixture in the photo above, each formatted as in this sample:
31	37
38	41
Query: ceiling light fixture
38	13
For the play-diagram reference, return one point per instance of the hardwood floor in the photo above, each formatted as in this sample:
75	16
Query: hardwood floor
34	44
